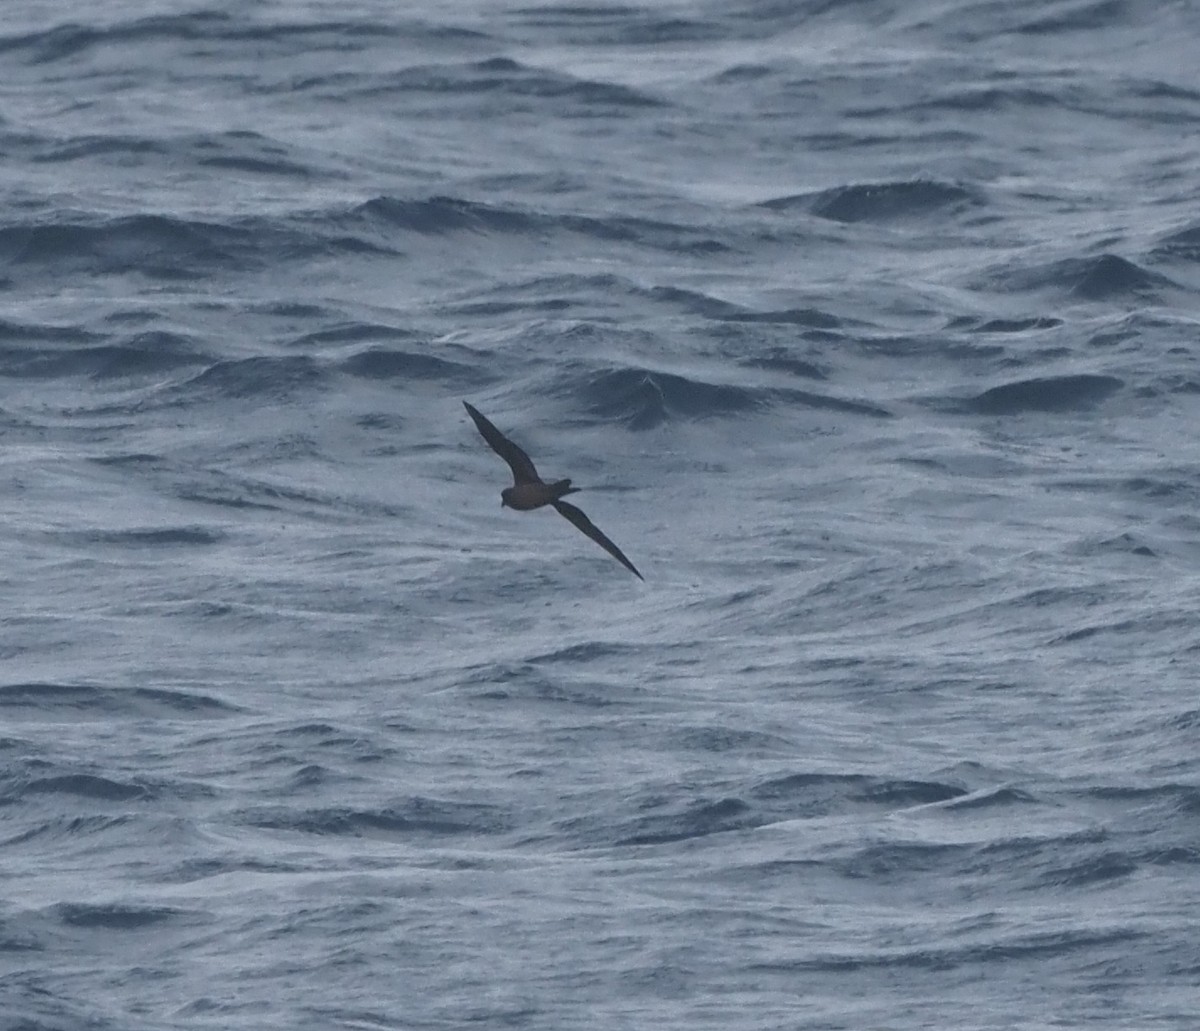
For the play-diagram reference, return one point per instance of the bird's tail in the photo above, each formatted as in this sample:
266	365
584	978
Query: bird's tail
562	488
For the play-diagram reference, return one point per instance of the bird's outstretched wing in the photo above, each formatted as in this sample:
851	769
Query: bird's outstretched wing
520	463
574	515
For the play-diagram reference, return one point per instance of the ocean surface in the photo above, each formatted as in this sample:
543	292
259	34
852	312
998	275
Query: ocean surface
871	331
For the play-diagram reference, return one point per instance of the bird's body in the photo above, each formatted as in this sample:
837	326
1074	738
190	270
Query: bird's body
530	491
525	497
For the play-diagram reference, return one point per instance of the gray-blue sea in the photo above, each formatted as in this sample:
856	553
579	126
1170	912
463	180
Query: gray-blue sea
871	331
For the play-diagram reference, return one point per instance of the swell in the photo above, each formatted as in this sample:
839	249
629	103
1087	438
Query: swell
292	377
170	248
444	215
497	77
1045	394
667	817
72	699
415	816
643	399
42	352
1102	277
1000	948
238	150
72	40
167	247
880	202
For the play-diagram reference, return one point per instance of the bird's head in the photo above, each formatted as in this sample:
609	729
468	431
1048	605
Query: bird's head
504	496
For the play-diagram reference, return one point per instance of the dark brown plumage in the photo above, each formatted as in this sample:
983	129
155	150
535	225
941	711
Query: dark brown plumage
530	491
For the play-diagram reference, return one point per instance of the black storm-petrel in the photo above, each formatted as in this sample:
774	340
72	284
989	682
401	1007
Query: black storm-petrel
530	491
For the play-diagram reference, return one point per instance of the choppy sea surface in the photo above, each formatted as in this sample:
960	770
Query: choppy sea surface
870	330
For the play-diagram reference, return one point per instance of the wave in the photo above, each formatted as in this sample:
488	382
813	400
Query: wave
288	377
1088	16
990	797
1104	277
1030	324
380	363
155	537
586	651
216	487
238	150
59	831
667	818
1111	276
879	202
719	310
889	862
165	247
12	330
351	333
443	215
545	295
71	700
985	955
817	794
1183	244
416	816
259	37
746	72
497	79
780	360
1177	797
114	916
260	376
502	75
86	785
643	399
618	25
698	820
1048	394
143	354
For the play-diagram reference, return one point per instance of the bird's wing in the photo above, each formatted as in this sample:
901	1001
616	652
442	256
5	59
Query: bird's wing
574	515
520	463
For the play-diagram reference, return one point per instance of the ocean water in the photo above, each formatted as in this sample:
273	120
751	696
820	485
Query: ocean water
870	332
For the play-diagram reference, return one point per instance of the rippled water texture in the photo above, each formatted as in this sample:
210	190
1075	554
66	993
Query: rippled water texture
869	331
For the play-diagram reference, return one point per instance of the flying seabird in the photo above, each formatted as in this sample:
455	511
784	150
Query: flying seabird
530	491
